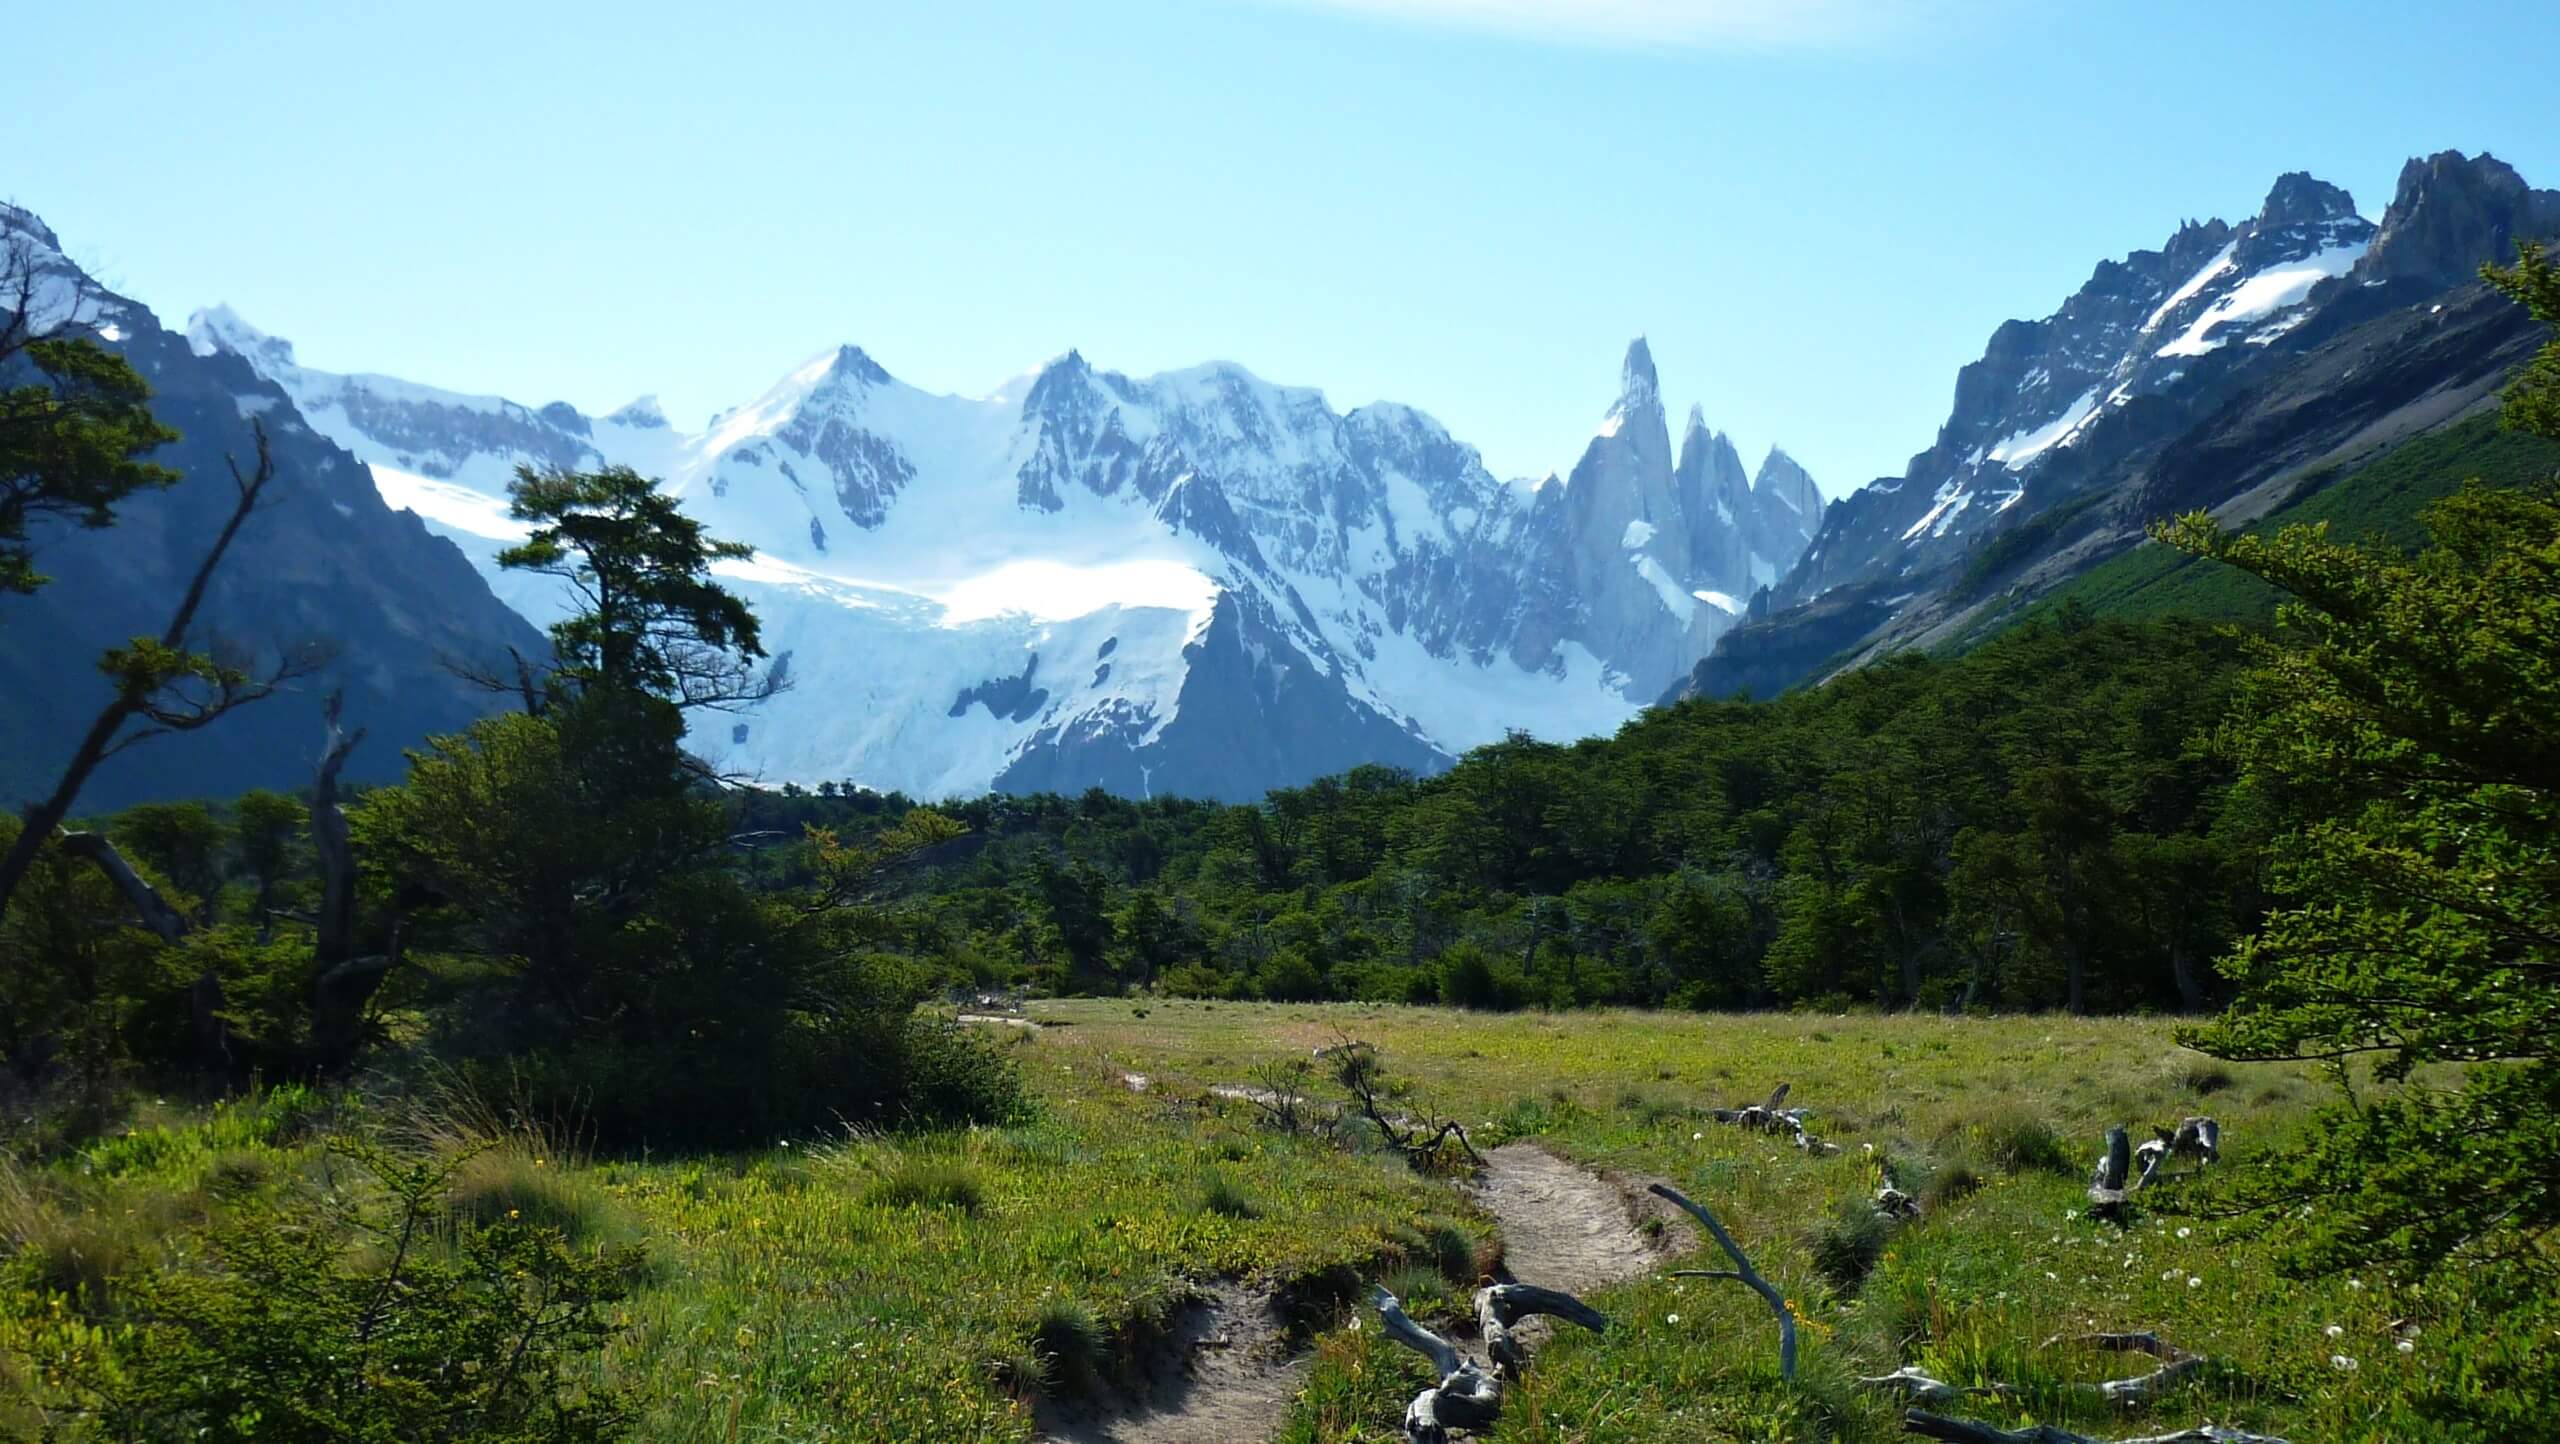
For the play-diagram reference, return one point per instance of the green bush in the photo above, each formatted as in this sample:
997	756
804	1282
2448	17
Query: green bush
1847	1245
311	1327
2015	1141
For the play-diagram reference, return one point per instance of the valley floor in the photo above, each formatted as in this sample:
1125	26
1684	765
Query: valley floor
922	1288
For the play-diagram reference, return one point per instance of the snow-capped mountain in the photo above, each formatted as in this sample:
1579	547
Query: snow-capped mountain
2212	372
1198	582
2154	324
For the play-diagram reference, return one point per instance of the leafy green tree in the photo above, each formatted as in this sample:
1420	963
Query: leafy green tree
266	825
183	840
73	434
2410	725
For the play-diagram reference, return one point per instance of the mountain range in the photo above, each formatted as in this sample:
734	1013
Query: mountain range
1207	584
1197	582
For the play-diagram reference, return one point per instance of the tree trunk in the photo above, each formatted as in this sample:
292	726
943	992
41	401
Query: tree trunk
2190	988
342	983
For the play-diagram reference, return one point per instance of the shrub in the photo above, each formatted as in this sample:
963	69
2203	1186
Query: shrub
2205	1079
1424	1291
280	1330
492	1185
1449	1249
1847	1245
1470	977
1948	1184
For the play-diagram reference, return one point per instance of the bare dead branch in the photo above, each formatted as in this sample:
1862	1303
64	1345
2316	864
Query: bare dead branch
1745	1274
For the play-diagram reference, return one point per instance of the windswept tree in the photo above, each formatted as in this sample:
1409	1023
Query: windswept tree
2409	724
650	619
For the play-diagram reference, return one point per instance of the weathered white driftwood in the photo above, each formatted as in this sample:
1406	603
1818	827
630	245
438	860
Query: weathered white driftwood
1469	1395
2176	1365
1772	1116
1742	1272
1973	1431
1920	1388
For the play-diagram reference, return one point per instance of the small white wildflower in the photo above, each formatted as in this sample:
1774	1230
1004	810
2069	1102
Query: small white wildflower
2166	1275
1671	1318
2334	1330
2051	1277
2342	1363
1355	1324
2356	1284
2184	1231
1697	1138
2195	1281
2408	1346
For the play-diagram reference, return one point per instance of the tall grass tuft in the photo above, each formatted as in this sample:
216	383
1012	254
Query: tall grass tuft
1847	1244
1068	1340
928	1183
2016	1141
1222	1195
1424	1291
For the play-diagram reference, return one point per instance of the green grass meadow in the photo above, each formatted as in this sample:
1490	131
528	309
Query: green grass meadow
874	1287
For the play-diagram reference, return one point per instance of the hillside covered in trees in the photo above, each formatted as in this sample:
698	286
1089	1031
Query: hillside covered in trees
2027	826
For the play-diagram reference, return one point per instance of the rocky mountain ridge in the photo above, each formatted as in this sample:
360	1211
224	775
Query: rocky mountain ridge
2216	371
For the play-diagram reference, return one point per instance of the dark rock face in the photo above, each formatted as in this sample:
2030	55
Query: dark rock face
1013	698
1250	711
2451	212
324	562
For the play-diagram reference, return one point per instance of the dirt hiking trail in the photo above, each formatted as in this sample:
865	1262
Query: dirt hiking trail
1226	1374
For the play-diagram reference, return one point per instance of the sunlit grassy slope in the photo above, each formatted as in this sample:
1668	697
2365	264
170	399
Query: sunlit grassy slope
893	1289
2379	501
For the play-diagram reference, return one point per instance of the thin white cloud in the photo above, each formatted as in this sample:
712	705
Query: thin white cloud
1682	24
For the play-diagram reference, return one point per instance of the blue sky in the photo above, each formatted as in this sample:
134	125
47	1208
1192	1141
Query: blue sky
1817	211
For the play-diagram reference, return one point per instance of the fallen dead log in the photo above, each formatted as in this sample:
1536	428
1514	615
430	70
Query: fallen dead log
1773	1116
2176	1365
2196	1138
1920	1388
1742	1272
1892	1204
1469	1395
1974	1431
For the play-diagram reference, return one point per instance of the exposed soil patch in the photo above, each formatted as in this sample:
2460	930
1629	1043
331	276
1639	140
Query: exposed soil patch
999	1018
1225	1374
1566	1227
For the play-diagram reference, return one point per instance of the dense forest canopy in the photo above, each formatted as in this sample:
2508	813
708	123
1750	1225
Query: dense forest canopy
2026	826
